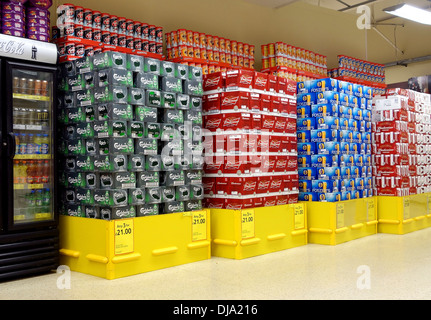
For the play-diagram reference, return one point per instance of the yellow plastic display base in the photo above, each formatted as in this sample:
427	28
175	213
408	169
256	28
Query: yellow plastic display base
401	215
239	234
120	248
332	223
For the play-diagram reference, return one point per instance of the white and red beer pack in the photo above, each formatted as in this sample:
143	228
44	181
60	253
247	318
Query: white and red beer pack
402	143
250	141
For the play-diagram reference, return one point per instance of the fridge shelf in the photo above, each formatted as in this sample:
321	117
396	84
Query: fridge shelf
30	127
30	186
33	157
30	97
20	218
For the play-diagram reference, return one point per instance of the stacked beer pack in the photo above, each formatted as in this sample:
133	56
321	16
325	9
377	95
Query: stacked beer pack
334	140
401	143
131	142
250	140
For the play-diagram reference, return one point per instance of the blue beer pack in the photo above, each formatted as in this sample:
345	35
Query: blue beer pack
345	112
323	160
308	196
305	185
329	197
325	186
327	122
307	173
303	111
322	85
304	161
331	147
356	172
331	97
306	124
303	135
347	160
307	148
325	109
329	173
324	135
306	99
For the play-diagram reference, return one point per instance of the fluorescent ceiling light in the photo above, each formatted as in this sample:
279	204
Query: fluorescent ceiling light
409	12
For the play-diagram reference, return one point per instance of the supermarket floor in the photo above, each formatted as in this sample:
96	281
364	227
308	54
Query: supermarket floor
380	266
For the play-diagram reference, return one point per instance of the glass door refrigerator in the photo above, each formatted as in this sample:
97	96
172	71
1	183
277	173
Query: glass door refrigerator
28	217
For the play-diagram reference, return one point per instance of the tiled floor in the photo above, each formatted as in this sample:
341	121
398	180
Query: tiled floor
381	266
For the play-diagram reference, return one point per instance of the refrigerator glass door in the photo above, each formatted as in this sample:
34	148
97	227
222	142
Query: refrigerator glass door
33	161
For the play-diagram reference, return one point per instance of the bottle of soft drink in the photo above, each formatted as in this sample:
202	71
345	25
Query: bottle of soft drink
44	146
30	172
23	143
38	143
38	168
46	200
30	143
17	142
22	171
38	199
46	170
16	172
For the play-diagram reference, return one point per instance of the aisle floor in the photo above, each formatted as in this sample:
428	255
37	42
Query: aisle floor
380	266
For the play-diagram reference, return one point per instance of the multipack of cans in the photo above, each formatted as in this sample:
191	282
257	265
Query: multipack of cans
334	140
131	136
217	50
281	54
402	143
359	69
105	28
249	140
26	19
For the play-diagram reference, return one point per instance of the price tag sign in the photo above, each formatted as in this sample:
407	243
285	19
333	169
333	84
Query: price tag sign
247	223
124	236
298	216
199	225
340	215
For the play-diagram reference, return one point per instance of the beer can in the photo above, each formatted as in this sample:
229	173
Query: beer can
79	15
196	52
137	33
88	51
190	51
88	17
222	44
151	32
106	37
88	33
271	49
228	46
114	39
222	56
183	52
251	51
129	27
145	45
229	58
182	37
152	46
37	87
204	53
144	31
210	55
234	47
234	58
78	31
69	48
121	25
30	86
97	20
113	21
122	40
196	39
97	35
105	22
129	42
216	43
79	50
23	86
159	34
159	48
246	50
137	44
210	42
240	49
202	40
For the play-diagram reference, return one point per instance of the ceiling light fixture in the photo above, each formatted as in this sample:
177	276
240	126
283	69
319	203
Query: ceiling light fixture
410	12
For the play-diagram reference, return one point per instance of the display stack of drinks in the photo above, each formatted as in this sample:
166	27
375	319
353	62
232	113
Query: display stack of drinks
32	164
82	31
131	137
250	140
334	140
26	18
401	143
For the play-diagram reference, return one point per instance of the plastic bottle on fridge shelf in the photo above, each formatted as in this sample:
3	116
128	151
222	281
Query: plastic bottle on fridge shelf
30	171
23	144
38	143
16	172
38	170
22	169
44	147
38	199
30	144
46	200
46	170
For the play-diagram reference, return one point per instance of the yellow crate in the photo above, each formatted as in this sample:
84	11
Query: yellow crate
333	223
400	215
239	234
120	248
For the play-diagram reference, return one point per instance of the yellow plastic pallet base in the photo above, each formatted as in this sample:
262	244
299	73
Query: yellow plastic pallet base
401	215
240	234
120	248
332	223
